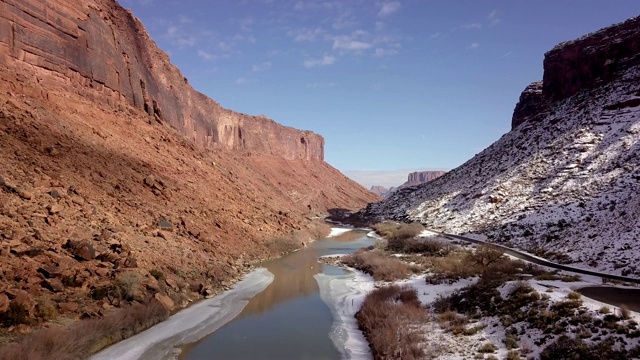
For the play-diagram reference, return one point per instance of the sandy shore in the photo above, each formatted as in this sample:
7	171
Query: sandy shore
163	341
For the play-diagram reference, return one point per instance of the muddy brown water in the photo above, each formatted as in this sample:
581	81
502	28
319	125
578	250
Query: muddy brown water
614	296
288	320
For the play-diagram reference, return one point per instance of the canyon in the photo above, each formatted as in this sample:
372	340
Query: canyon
114	170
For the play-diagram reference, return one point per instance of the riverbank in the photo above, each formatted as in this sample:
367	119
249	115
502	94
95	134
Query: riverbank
520	316
189	325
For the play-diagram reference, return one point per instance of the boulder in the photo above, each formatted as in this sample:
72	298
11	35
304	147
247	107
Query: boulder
164	224
165	301
4	303
84	251
68	307
54	285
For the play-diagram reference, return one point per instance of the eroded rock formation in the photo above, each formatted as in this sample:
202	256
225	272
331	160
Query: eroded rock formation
421	177
101	51
582	64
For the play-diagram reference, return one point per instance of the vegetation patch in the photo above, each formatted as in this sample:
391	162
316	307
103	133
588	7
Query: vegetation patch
378	265
391	319
85	337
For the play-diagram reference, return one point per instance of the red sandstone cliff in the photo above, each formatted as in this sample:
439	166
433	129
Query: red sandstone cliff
101	51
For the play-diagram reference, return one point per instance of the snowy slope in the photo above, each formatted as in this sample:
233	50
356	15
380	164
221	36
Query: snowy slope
569	183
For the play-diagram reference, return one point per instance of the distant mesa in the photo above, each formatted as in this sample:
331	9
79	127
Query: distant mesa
413	179
422	177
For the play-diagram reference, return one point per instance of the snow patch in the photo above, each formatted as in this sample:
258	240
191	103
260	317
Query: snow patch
163	340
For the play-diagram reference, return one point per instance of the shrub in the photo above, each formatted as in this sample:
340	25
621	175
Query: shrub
157	274
46	309
571	278
417	246
511	340
604	310
85	337
624	313
15	315
393	231
574	295
100	293
378	265
485	255
126	286
487	348
513	355
387	318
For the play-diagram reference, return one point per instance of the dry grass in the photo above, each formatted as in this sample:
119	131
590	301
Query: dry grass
86	337
393	231
432	247
390	318
378	265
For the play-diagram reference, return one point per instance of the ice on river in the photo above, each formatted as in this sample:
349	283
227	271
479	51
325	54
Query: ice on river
344	295
335	231
163	341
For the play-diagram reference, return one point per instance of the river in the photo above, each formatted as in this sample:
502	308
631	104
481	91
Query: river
289	319
294	307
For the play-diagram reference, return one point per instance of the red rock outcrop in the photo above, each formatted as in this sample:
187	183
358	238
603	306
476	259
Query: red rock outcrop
102	52
421	177
581	64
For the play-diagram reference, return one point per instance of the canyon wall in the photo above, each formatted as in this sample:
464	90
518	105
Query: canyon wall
582	64
101	51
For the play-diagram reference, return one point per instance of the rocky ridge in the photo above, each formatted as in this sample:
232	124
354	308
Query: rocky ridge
413	179
117	172
563	181
100	51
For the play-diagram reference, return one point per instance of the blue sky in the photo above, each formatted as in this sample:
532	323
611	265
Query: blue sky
393	86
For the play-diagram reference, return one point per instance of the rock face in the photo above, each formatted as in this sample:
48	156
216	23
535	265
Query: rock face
116	174
101	51
565	184
531	104
583	64
422	177
379	190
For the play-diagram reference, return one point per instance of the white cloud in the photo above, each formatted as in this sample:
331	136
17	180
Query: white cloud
345	42
172	30
306	35
493	18
389	8
177	37
241	81
323	61
261	67
435	35
470	26
185	19
206	56
473	46
384	52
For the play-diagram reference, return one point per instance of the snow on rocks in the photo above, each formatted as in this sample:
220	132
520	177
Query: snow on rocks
567	183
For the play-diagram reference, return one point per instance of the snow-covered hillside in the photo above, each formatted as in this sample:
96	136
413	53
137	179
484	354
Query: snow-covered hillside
567	181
